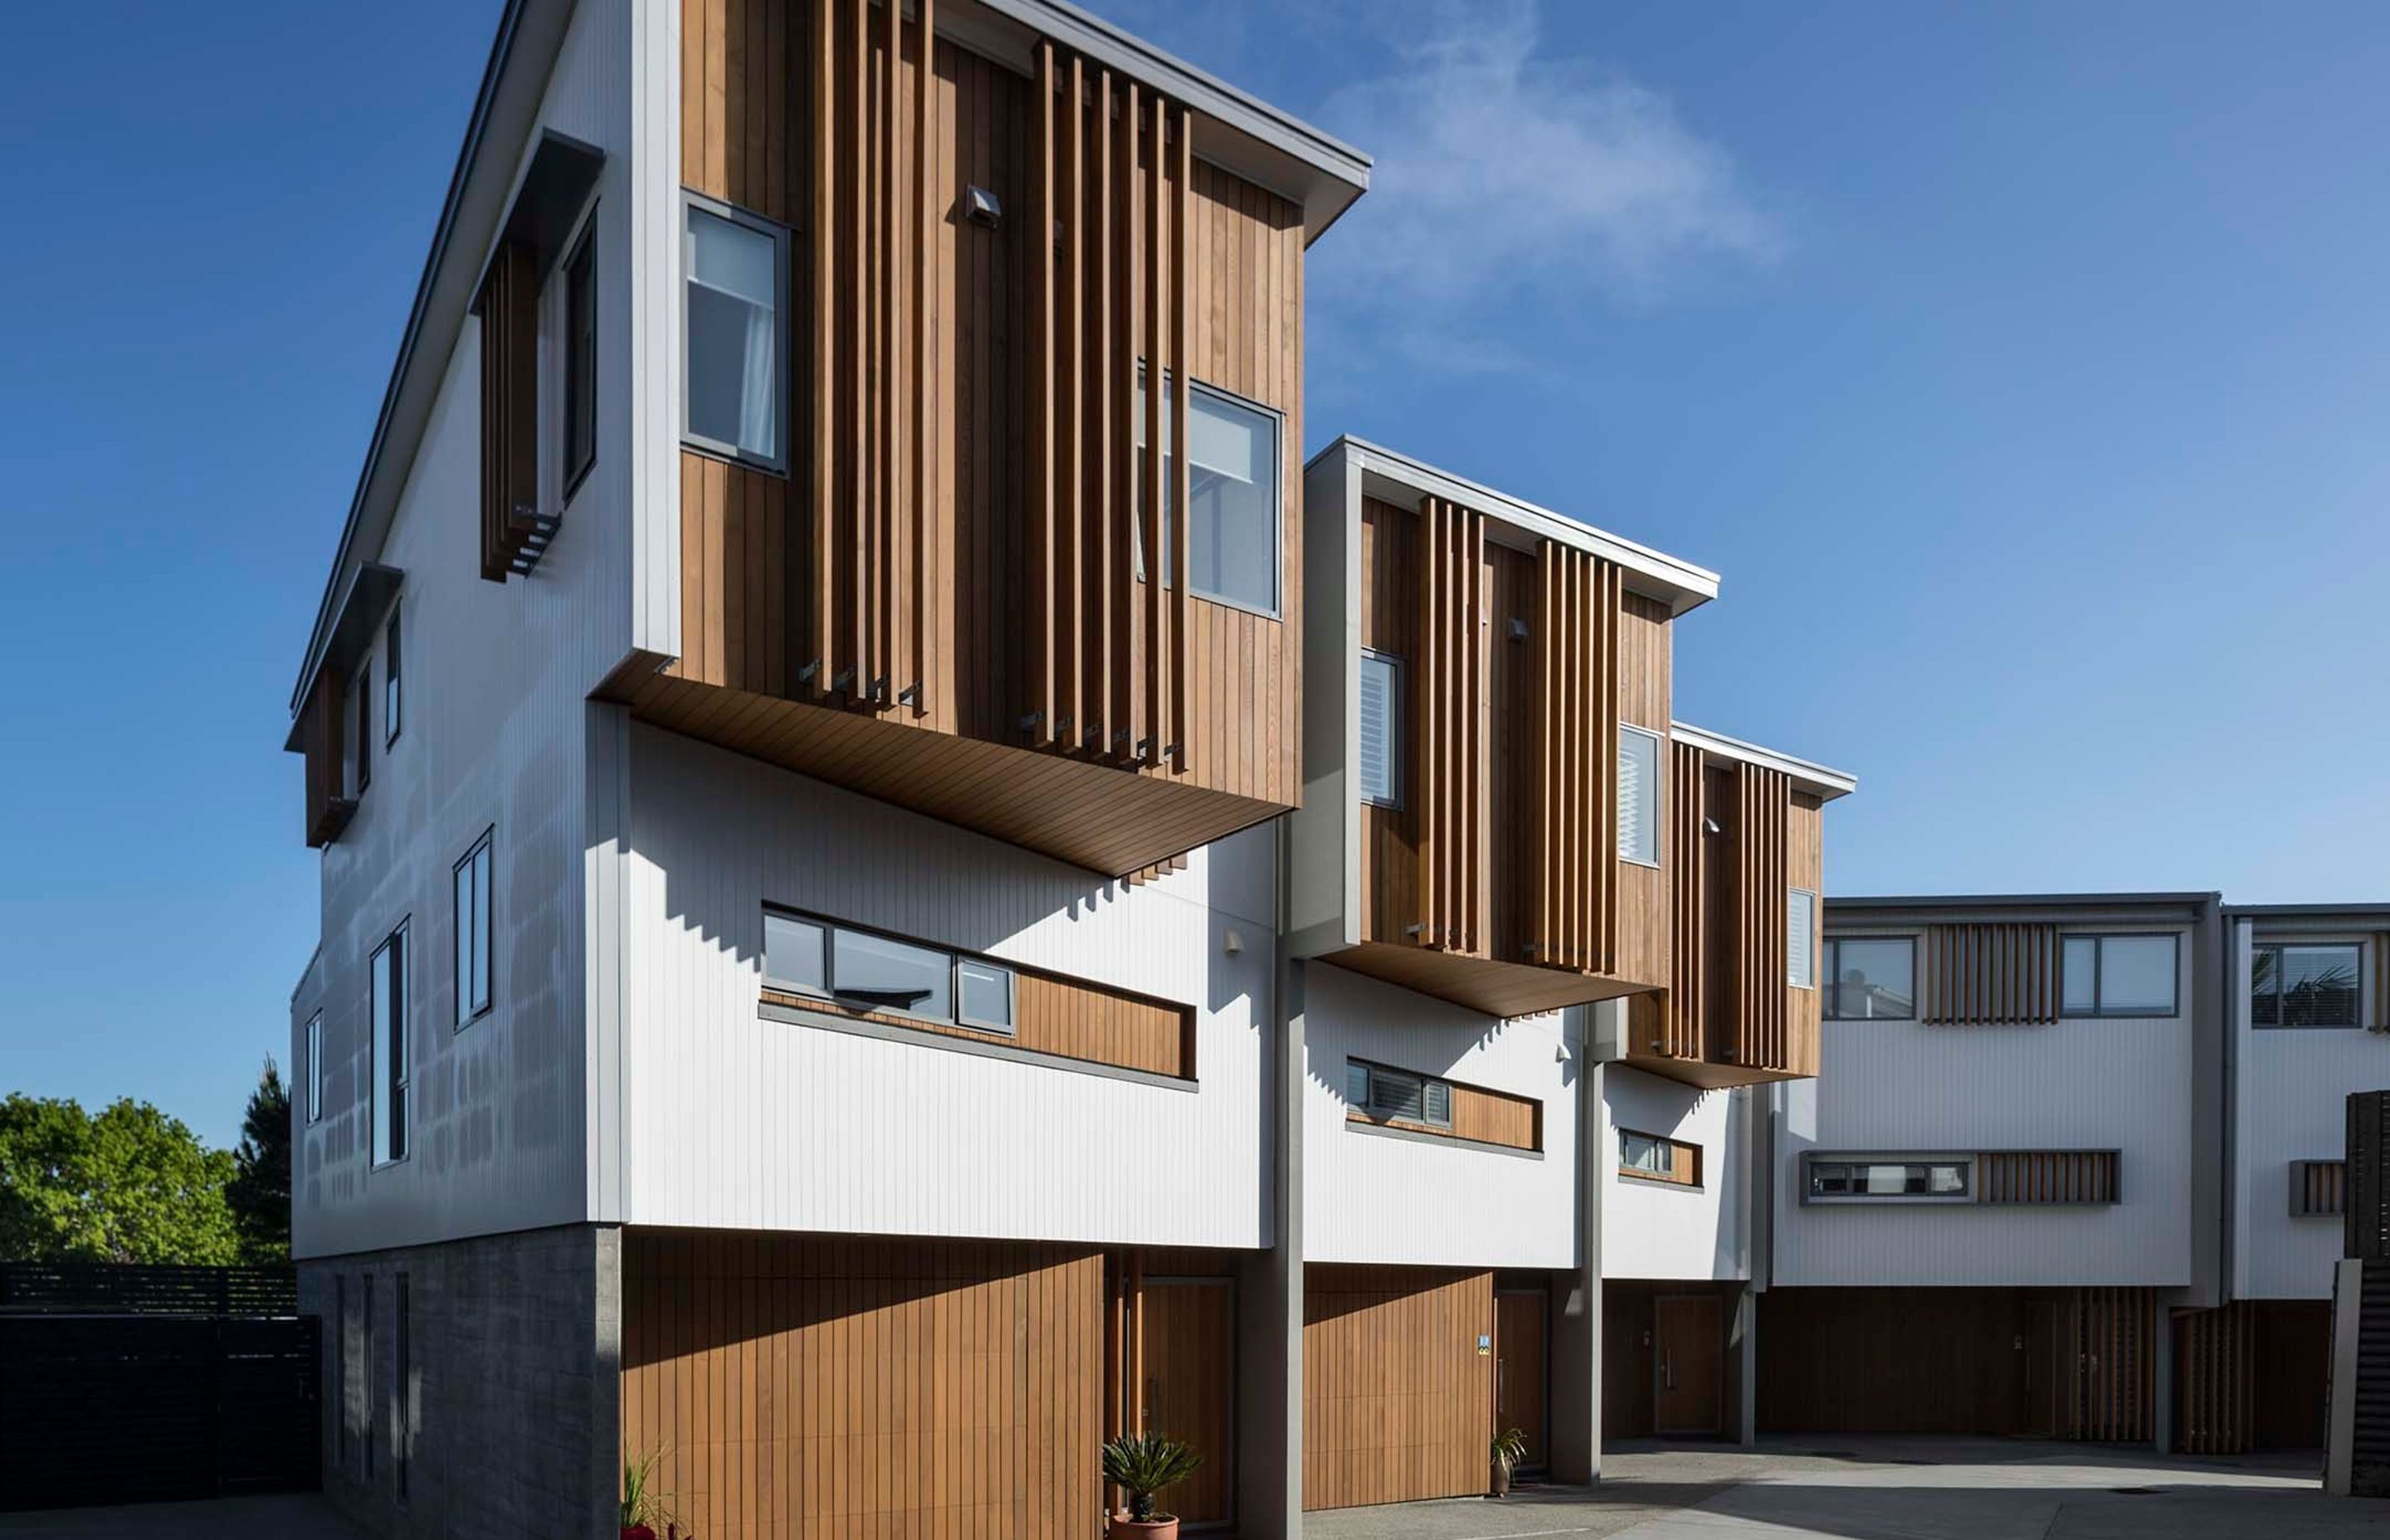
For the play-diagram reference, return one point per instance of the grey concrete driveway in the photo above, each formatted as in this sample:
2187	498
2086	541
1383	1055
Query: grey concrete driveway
1888	1490
227	1518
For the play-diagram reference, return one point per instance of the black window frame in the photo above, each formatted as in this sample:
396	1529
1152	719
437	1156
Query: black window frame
2100	1009
1830	973
956	960
392	681
1369	1107
1849	1162
2356	993
484	933
361	728
578	449
316	1068
396	1080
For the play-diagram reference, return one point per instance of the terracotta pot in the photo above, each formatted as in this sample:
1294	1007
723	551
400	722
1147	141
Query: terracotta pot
1161	1527
638	1531
1497	1480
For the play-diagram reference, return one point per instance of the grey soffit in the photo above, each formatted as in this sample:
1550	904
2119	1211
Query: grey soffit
1390	476
563	172
355	620
991	1048
1808	775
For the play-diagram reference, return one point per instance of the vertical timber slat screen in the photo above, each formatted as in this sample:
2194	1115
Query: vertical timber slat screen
1990	975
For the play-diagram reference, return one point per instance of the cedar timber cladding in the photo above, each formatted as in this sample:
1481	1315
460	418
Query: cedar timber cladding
945	605
1730	1015
2045	1176
1990	975
323	728
1397	1402
1496	883
803	1385
1062	1018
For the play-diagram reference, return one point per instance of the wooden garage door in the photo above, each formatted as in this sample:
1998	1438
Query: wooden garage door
1397	1384
803	1385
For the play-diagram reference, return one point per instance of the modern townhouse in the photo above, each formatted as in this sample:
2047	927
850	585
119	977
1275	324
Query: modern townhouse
1541	934
817	984
2306	1000
2005	1179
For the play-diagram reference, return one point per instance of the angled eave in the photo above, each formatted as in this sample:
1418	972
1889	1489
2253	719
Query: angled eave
523	56
1821	781
1395	478
1233	130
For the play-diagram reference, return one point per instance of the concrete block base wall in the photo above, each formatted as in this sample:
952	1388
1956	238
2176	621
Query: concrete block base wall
506	1424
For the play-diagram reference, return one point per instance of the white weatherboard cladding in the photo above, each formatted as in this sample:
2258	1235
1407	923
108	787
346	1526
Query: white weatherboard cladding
731	1120
495	724
2291	1104
2124	1084
1657	1230
1370	1197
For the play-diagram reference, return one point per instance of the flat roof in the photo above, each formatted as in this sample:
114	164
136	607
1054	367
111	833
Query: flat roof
1817	780
1655	574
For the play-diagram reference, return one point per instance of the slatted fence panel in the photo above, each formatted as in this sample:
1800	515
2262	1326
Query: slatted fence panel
110	1289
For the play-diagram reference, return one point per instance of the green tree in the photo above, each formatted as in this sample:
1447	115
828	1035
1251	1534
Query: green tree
260	1192
129	1184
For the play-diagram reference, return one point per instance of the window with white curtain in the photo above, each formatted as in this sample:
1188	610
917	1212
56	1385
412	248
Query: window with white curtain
1639	795
737	268
1801	938
1233	485
1381	728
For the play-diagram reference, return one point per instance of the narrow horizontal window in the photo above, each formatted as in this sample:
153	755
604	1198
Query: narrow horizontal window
1857	1179
891	975
1639	795
1381	728
882	976
736	269
984	993
1871	979
1656	1158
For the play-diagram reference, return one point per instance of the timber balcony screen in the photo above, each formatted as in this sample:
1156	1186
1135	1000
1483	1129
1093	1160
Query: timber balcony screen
1990	975
953	601
1495	880
1740	840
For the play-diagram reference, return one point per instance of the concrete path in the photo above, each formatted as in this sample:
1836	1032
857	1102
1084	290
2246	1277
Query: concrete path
1888	1490
227	1518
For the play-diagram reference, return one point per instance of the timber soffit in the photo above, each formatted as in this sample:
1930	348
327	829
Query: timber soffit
1819	780
1393	476
1330	175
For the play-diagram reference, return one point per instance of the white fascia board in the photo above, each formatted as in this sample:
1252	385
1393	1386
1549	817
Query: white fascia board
1393	476
1263	144
1820	780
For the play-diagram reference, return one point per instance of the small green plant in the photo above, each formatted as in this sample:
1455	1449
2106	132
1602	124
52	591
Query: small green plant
645	1502
1143	1464
1509	1448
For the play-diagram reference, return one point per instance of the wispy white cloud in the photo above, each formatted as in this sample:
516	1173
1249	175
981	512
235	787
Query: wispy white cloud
1500	171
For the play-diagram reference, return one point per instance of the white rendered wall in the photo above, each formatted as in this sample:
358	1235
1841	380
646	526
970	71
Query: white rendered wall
1657	1230
731	1120
2124	1084
2290	1094
1371	1197
494	724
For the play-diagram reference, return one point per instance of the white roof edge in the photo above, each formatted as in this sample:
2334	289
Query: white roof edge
1678	584
1323	154
1819	780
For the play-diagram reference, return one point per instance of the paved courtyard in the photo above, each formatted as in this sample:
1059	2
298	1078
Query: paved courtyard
1874	1489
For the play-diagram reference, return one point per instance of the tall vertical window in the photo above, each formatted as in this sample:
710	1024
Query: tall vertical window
315	1066
581	359
1639	795
402	1388
390	681
472	930
2116	976
390	1049
1801	939
737	271
1233	487
1871	979
1381	728
2304	986
356	754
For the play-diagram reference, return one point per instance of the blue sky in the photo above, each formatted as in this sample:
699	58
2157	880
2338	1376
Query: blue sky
2021	368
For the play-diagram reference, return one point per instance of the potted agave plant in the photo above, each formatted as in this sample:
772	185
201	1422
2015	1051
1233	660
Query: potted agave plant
1142	1465
1509	1447
646	1513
